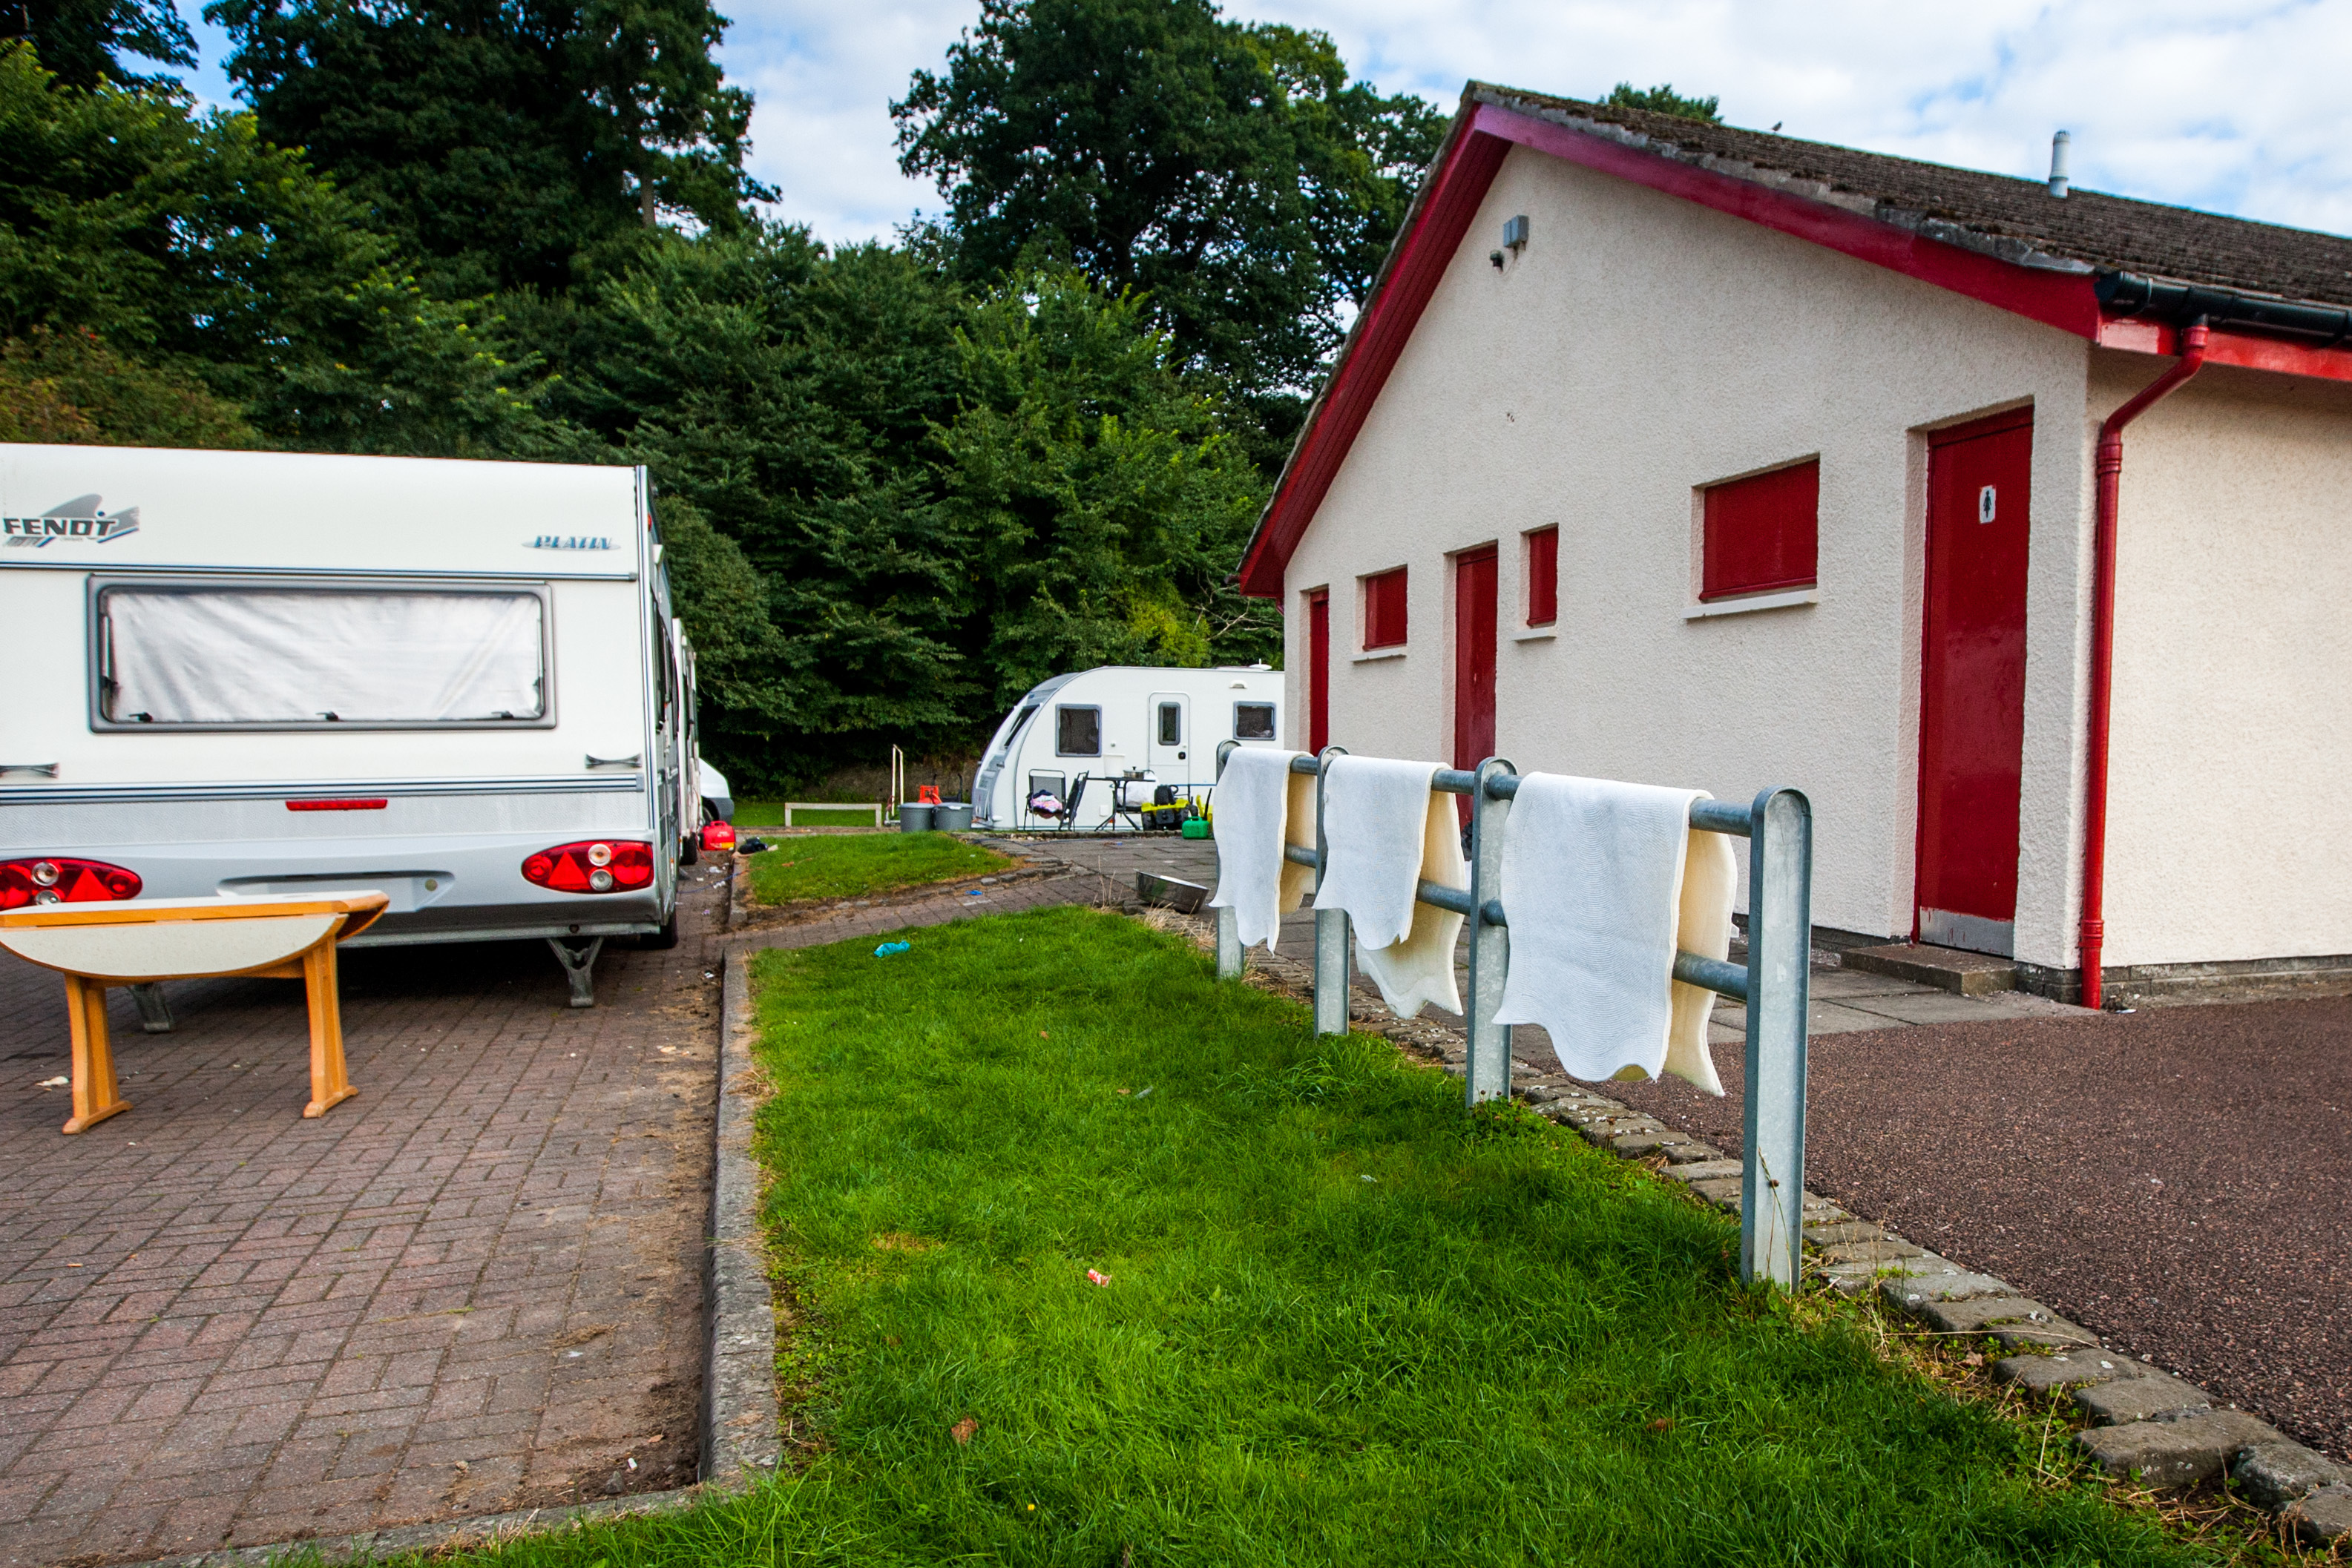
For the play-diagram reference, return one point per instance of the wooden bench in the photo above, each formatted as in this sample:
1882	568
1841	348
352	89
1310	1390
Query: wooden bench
873	806
96	945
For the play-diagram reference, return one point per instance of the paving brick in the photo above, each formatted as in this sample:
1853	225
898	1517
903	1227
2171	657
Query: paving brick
254	1284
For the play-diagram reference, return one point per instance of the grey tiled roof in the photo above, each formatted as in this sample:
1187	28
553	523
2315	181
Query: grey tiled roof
2015	218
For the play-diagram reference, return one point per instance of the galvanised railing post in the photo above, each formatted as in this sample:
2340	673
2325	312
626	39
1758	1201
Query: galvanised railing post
1487	1074
1229	928
1332	957
1780	971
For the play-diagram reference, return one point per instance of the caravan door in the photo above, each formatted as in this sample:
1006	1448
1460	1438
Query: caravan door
1168	728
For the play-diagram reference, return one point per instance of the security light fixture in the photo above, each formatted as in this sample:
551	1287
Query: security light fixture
1515	233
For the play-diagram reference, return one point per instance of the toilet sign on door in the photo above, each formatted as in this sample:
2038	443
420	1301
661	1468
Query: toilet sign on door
1985	505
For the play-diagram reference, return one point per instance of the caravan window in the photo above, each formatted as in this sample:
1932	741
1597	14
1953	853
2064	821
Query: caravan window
1253	721
1077	732
1171	724
273	656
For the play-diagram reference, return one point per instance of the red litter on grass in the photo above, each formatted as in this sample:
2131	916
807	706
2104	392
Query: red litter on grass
1098	1277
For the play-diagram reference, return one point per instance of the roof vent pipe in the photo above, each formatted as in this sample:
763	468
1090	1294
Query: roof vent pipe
2058	181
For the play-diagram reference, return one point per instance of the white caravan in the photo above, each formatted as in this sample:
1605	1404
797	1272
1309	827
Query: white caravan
1129	731
275	673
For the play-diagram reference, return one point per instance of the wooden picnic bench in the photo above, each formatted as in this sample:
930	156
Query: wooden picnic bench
143	941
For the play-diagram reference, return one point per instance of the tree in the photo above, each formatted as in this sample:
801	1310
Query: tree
83	40
1664	99
1233	175
498	140
186	243
70	388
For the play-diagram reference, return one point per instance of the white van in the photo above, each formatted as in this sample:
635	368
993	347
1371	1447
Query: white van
1128	732
275	673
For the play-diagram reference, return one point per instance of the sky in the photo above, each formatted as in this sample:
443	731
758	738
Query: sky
2235	108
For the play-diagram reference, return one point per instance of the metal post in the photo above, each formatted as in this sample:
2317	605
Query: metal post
1229	924
1780	970
1487	1074
1332	955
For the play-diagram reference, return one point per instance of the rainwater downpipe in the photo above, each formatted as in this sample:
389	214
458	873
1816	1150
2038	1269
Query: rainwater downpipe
2109	469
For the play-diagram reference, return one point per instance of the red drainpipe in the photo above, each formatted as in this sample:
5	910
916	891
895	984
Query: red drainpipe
2109	468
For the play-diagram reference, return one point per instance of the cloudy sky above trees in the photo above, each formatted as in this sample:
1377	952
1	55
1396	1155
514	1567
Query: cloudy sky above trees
2236	108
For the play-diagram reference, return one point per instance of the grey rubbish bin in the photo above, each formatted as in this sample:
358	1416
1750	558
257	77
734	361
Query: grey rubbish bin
915	816
951	816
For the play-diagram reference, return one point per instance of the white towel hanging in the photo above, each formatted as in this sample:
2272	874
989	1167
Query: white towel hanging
1601	882
1259	806
1384	832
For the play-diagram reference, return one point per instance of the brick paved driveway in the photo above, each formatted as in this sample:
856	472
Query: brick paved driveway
475	1287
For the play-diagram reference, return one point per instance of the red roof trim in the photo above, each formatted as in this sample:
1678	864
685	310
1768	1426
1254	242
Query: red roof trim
2056	299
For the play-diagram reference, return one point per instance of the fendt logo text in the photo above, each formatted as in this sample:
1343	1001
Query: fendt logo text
78	518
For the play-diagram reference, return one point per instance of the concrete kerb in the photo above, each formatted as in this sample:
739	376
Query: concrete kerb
741	1435
374	1545
2175	1440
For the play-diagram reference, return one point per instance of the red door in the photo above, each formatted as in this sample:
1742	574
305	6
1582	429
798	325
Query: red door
1318	669
1972	697
1473	661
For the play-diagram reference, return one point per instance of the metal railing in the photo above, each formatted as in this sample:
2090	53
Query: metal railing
1774	985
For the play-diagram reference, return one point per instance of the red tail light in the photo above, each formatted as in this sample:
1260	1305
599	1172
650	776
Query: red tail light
592	865
61	880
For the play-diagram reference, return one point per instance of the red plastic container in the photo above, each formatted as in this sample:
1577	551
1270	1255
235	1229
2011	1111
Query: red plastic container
717	835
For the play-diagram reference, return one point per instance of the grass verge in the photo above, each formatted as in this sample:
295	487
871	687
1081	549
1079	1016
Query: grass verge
1343	1322
851	866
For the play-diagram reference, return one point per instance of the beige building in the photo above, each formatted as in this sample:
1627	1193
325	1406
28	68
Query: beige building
1682	454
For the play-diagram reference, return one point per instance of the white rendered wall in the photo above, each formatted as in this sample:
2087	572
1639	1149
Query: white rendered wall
2233	669
1642	346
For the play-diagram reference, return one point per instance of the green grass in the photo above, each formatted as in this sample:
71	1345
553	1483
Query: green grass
771	814
851	866
1346	1322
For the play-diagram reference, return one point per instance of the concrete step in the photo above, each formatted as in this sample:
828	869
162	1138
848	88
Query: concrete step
1946	969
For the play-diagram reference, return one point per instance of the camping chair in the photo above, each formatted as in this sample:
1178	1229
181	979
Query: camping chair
1058	785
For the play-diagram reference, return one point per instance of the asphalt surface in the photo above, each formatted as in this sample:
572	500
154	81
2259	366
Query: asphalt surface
2179	1180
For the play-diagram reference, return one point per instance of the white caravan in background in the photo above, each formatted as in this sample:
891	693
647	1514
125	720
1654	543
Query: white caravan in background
1129	731
275	673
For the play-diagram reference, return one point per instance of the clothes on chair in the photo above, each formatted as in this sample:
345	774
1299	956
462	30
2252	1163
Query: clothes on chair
1601	883
1384	832
1261	805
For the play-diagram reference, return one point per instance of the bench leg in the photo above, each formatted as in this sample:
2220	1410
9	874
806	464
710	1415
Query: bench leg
329	1085
154	1012
95	1095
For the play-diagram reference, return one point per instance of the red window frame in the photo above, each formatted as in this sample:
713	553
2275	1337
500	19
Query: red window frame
1762	533
1543	577
1384	617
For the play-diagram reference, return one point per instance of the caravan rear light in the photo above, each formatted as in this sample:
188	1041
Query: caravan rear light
592	865
63	880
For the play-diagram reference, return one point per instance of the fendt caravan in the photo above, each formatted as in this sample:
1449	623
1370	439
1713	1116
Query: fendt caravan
1128	731
271	673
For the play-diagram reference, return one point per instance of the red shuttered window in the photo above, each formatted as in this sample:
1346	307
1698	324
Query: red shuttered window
1762	533
1543	577
1384	610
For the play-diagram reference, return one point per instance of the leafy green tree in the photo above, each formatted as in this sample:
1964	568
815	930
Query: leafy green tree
69	386
1232	173
83	40
499	141
1100	501
1664	99
186	242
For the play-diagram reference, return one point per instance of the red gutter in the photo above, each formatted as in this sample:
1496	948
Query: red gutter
2109	468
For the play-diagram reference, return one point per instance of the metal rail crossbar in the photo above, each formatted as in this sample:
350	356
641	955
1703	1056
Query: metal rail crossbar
1774	984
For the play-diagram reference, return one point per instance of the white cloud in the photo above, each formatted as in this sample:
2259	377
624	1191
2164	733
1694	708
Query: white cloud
2235	107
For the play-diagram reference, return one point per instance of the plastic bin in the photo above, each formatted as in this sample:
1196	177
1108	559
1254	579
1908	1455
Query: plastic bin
915	816
951	816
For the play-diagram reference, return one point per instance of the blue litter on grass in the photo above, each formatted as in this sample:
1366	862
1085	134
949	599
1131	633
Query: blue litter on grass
887	948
